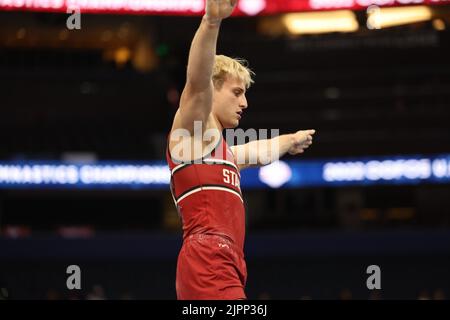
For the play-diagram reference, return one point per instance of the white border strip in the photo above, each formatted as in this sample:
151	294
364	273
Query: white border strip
209	188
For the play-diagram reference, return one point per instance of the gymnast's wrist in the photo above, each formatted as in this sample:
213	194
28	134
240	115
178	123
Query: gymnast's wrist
212	22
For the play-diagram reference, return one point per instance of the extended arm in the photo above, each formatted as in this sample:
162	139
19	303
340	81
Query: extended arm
263	152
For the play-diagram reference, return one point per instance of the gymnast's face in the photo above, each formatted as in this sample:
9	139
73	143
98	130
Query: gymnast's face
229	102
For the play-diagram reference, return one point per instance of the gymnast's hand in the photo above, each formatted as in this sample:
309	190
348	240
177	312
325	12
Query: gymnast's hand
301	140
217	10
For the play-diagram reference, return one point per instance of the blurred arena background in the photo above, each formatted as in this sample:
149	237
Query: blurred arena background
84	116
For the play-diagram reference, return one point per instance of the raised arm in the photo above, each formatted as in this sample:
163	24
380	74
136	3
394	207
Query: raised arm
196	100
263	152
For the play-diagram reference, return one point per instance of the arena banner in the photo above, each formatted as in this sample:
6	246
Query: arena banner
196	7
396	170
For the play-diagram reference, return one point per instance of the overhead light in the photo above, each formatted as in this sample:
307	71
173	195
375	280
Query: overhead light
252	7
21	33
124	31
438	24
391	17
122	55
321	22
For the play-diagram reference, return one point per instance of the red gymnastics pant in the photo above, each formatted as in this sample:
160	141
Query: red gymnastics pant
210	267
